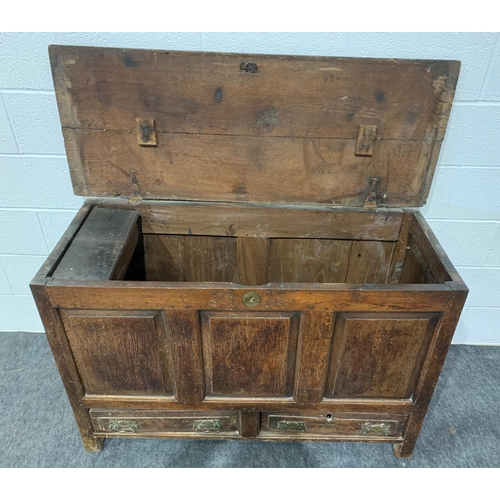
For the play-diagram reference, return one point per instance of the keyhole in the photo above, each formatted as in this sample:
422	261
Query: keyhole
359	255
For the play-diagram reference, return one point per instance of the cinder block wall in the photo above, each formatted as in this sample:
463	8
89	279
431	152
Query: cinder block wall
36	200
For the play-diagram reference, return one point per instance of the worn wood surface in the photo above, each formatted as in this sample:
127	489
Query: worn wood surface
378	355
249	354
336	424
369	262
308	260
119	352
400	249
146	423
253	260
248	404
65	362
242	134
184	338
190	258
102	248
227	297
250	220
249	423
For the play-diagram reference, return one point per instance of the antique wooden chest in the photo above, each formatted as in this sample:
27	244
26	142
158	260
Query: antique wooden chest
251	262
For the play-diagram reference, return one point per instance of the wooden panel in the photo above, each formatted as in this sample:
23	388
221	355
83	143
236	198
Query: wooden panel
261	221
433	255
369	262
308	261
183	330
102	248
334	424
275	297
378	355
249	423
253	260
204	104
415	268
400	248
119	352
316	329
61	350
190	258
287	95
144	423
249	354
241	168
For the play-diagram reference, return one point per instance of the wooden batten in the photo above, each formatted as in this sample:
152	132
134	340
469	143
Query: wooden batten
145	124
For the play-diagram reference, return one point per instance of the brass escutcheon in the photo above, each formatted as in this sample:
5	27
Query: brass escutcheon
251	299
207	425
291	425
123	425
376	428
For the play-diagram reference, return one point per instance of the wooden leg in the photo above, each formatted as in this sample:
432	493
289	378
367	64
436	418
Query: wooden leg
92	445
403	450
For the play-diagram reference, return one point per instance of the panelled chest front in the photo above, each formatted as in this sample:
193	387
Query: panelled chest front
251	262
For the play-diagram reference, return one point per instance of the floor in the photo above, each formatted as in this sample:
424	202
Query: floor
462	428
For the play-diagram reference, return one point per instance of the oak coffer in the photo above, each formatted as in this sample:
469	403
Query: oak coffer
250	261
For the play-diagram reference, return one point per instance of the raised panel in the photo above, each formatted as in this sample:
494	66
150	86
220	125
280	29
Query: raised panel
249	354
119	352
378	354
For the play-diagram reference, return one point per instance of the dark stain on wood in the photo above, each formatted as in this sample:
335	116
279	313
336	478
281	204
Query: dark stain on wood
130	62
267	119
380	97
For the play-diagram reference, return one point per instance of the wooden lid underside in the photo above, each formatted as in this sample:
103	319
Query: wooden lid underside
267	129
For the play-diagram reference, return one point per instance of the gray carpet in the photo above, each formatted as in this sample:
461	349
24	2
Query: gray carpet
462	428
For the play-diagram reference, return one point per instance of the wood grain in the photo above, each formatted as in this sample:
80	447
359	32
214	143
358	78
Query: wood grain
294	119
274	221
190	258
369	262
102	248
249	354
288	96
184	338
253	260
378	355
308	260
244	168
119	352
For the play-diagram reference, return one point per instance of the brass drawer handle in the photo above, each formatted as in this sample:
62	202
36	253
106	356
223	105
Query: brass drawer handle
376	428
286	425
207	425
123	425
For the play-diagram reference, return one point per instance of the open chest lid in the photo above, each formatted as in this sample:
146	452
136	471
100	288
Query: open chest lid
150	124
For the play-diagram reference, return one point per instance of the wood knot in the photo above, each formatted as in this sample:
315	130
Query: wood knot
249	67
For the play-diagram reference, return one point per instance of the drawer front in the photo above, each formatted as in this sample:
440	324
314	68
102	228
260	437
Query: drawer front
364	426
163	423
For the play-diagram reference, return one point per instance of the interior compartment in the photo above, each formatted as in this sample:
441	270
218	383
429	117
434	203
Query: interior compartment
112	243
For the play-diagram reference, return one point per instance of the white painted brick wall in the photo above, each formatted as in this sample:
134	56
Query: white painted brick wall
37	203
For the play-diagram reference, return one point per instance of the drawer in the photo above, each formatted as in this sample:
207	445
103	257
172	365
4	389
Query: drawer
359	425
151	423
